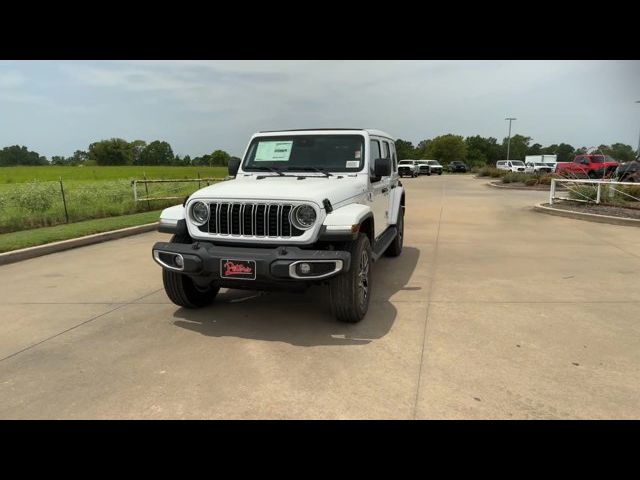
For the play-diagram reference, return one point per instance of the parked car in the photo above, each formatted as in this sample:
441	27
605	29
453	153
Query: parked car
628	172
408	168
423	167
588	165
538	167
304	207
457	166
434	167
549	160
510	165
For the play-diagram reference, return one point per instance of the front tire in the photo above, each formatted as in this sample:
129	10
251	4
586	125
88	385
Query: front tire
350	291
182	290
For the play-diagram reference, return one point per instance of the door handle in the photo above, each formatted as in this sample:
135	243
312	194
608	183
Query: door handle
385	190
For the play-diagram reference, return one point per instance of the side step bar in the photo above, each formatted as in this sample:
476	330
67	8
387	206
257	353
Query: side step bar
383	241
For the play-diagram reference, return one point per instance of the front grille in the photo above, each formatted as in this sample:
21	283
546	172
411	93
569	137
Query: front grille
250	220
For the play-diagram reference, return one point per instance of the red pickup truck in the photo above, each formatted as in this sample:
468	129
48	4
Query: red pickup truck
591	166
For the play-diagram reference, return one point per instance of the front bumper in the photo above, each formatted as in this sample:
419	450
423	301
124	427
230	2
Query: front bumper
272	265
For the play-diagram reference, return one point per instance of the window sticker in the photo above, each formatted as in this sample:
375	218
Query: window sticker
273	151
357	154
353	163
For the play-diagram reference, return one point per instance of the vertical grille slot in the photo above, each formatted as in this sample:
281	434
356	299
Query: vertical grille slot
273	221
235	218
247	222
260	220
285	226
213	215
224	218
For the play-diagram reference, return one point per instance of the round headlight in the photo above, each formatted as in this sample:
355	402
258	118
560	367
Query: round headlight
199	213
304	216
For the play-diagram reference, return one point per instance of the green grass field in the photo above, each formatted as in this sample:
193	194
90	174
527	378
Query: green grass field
31	197
92	174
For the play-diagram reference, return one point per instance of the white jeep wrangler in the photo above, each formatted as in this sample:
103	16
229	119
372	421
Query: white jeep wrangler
305	207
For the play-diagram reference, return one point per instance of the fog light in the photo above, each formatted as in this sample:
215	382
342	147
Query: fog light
305	268
178	261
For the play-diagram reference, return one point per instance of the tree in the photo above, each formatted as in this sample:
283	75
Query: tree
404	149
20	155
57	160
517	148
186	160
219	158
157	153
535	149
79	157
420	152
564	152
446	148
137	146
619	151
481	150
115	151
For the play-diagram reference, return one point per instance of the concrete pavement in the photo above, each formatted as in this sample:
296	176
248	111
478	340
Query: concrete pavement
491	311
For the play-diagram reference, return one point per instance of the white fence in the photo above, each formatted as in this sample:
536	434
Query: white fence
598	184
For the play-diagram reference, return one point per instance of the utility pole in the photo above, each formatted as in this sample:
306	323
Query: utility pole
638	152
509	139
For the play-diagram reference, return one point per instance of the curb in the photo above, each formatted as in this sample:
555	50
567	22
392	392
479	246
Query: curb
588	217
530	189
39	250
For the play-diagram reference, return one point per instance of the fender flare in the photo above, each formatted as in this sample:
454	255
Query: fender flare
397	202
339	224
172	220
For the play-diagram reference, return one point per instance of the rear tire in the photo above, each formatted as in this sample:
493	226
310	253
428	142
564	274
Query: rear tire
350	291
182	290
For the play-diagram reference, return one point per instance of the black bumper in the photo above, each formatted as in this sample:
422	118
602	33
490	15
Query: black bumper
272	265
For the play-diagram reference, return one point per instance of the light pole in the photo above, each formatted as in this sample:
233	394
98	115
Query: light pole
509	139
638	101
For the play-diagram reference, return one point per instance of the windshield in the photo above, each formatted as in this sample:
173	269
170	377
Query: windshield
406	162
518	163
336	153
433	162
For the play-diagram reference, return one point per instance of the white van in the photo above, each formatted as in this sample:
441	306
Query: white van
510	165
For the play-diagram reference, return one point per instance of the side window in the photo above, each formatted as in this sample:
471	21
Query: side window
394	159
385	149
374	152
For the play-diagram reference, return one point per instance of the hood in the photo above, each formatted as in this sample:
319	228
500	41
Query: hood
311	188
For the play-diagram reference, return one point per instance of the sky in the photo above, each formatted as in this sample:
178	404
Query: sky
57	107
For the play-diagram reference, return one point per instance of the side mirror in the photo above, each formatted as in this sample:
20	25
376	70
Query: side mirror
382	167
234	165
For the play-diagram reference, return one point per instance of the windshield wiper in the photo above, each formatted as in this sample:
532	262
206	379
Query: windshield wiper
269	169
310	169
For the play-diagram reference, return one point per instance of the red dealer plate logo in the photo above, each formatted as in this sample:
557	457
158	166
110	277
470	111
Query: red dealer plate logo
238	269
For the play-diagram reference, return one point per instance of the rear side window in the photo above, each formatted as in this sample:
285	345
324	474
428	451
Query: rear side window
385	150
394	159
374	152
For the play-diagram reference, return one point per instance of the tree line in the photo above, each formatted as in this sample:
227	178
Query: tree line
114	151
476	151
480	151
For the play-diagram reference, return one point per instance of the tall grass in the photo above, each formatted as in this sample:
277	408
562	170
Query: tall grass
40	204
